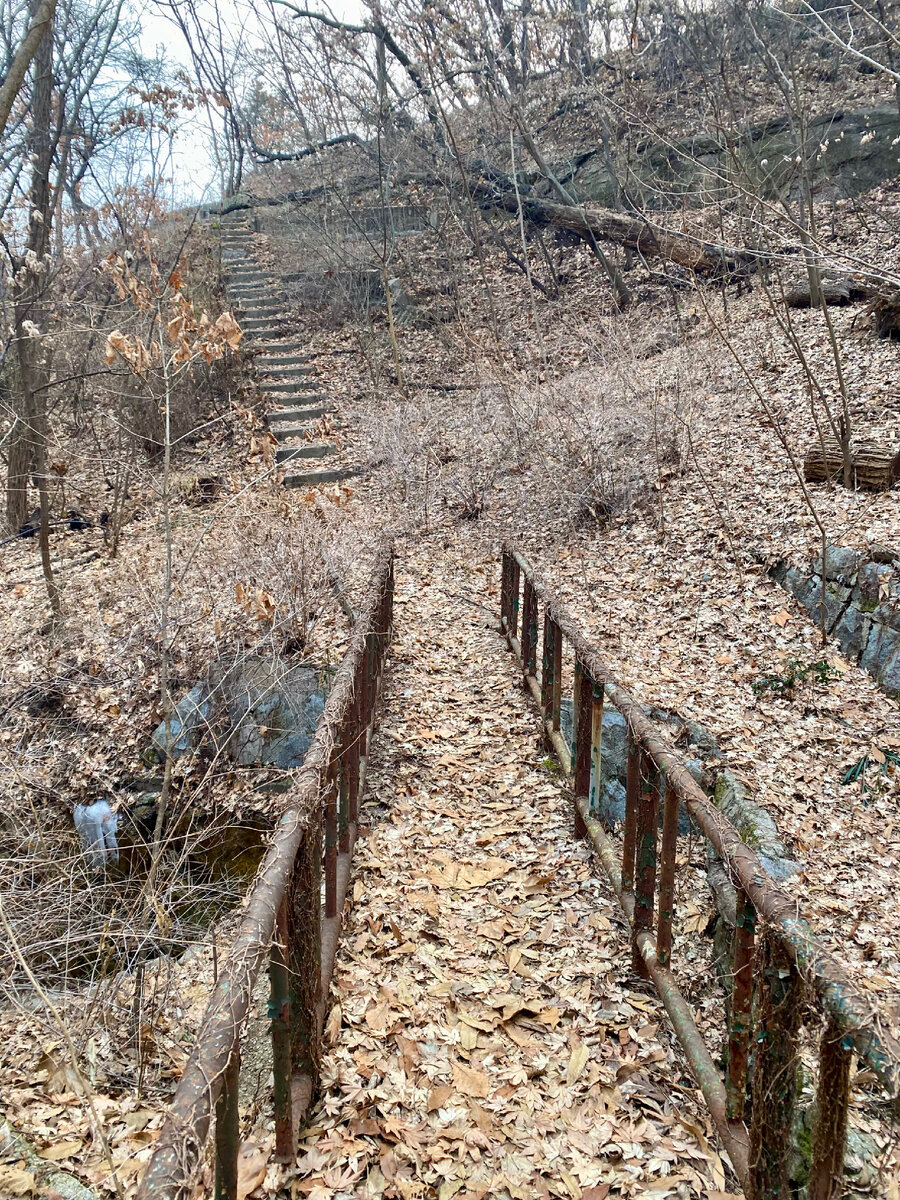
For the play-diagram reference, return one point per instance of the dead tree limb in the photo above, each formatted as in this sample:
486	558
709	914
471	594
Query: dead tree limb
705	258
40	23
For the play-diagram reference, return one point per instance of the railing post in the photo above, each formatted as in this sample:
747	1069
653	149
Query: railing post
355	725
596	744
556	684
741	1007
583	713
529	629
645	858
331	838
632	799
832	1102
667	876
548	667
280	1017
368	692
345	754
506	590
774	1074
515	581
228	1134
304	950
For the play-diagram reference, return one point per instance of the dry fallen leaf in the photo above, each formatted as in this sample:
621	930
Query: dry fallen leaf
577	1063
60	1150
16	1181
463	877
438	1097
252	1163
471	1082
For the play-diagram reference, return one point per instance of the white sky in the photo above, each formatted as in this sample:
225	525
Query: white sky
194	169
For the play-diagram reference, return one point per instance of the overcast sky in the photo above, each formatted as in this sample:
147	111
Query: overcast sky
194	170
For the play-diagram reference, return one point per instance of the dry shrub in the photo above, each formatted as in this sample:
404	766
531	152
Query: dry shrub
578	448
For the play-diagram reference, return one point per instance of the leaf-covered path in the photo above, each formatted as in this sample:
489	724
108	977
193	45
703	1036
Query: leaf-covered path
486	1038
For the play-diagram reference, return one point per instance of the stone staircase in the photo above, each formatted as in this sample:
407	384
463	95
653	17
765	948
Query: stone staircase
286	376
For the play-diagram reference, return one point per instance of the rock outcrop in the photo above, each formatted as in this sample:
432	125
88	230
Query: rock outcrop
848	153
256	710
862	605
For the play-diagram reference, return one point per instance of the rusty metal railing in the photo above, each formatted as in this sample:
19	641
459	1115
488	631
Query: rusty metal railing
284	916
769	965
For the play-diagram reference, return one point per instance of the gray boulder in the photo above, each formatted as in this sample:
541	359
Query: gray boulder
257	710
872	578
183	731
881	647
272	710
607	794
889	677
609	806
755	826
837	597
841	563
794	581
852	631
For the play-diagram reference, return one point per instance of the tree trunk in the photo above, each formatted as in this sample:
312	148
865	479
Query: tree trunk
28	451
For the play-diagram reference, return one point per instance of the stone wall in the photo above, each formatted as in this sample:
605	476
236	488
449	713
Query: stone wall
862	605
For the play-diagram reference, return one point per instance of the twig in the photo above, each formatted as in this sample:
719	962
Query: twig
70	1045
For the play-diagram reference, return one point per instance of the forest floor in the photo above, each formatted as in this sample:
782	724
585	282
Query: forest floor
487	1035
638	465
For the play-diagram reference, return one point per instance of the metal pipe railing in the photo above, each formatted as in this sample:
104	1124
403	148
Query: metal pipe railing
283	918
643	876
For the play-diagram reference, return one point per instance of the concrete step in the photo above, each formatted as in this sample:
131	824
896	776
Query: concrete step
287	386
297	402
287	374
309	450
278	415
284	346
268	323
283	360
313	478
285	433
253	309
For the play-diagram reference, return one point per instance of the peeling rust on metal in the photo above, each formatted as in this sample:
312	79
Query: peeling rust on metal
347	717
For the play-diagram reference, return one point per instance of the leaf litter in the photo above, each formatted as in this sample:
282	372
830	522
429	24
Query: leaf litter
486	1037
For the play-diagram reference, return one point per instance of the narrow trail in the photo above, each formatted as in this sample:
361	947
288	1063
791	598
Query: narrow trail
485	1035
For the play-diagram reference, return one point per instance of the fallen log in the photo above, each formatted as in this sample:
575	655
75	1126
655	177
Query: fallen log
835	289
875	468
885	312
705	258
